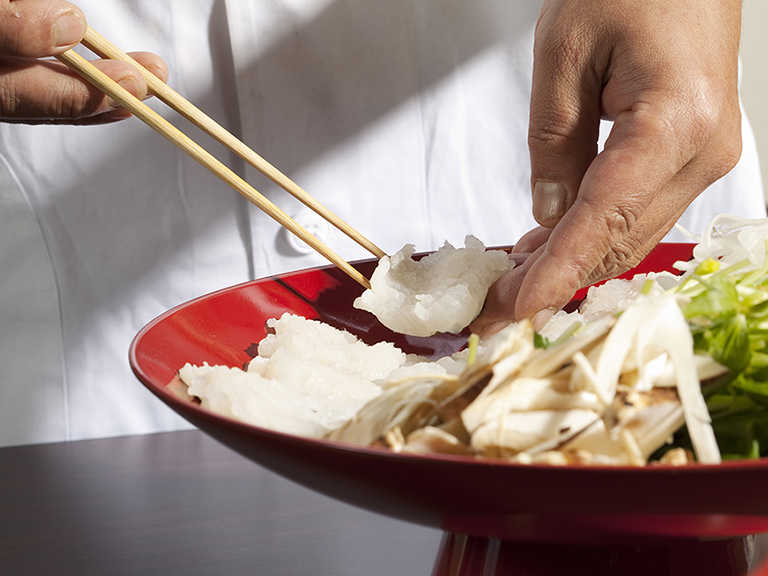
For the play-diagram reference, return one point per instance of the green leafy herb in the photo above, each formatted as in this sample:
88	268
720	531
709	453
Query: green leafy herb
540	341
728	316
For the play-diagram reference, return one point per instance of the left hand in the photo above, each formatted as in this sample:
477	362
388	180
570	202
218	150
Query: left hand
37	90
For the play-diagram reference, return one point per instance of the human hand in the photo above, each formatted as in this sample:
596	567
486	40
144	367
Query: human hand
666	73
35	91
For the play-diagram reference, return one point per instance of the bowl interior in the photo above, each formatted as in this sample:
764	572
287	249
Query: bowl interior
472	496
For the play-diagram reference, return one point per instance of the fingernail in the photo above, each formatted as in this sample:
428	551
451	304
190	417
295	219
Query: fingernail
493	328
550	201
68	30
131	86
541	318
519	258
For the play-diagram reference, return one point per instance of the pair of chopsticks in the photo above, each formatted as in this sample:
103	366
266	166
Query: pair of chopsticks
105	49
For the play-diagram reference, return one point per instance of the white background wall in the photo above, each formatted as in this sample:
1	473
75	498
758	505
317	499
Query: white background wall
754	87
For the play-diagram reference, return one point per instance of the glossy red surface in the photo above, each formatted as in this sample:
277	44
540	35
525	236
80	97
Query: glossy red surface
761	571
462	555
551	505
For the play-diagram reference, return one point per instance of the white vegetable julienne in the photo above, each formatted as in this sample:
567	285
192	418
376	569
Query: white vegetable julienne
732	239
651	326
608	298
518	431
591	397
442	292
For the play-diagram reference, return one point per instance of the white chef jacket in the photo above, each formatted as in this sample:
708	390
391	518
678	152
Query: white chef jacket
408	119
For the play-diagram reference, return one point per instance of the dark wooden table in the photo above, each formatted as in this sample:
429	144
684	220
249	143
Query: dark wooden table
181	504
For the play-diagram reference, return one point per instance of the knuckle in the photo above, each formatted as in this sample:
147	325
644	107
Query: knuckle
556	130
624	250
9	103
618	222
620	258
549	127
616	261
11	94
693	126
66	102
716	132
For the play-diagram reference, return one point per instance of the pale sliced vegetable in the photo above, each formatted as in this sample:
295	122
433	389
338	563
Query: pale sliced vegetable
730	239
518	431
433	440
633	428
650	327
407	405
525	395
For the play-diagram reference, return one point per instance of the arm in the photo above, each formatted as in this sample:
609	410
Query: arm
42	91
666	74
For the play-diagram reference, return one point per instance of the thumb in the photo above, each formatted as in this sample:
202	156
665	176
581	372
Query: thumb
39	28
564	118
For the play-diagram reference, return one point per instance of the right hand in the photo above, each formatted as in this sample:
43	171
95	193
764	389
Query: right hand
34	91
666	74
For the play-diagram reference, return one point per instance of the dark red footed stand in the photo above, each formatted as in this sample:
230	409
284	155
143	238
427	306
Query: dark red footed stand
462	555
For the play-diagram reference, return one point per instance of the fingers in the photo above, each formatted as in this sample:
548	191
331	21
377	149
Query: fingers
499	307
37	91
670	90
630	196
532	240
556	269
43	91
564	114
39	28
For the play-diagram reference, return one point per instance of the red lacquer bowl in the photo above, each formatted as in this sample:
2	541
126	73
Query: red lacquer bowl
481	500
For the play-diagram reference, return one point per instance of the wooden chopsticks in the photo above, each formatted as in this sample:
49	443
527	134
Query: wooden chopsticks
103	48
